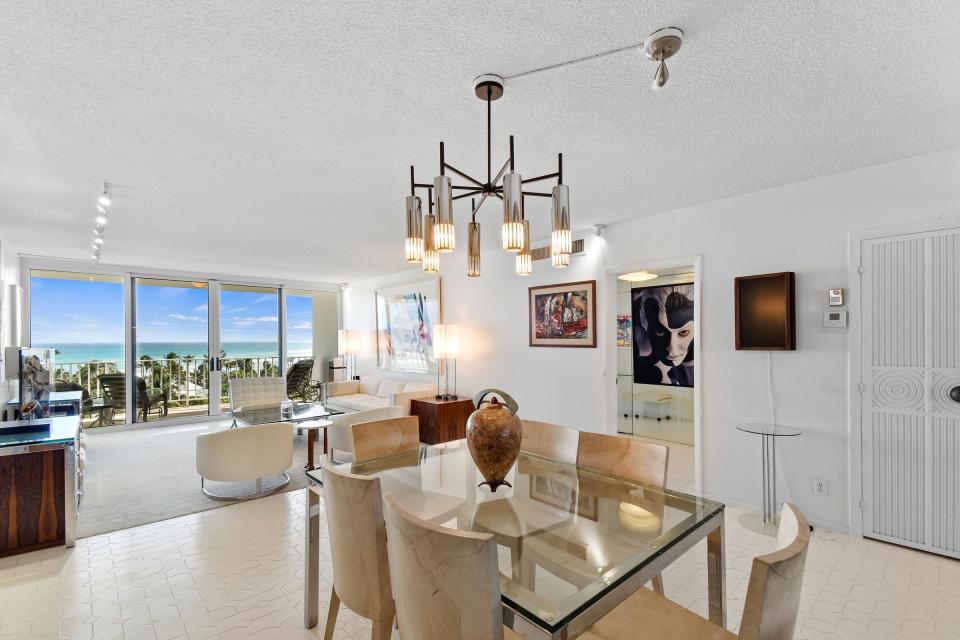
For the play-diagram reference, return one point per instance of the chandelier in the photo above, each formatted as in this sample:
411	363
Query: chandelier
433	233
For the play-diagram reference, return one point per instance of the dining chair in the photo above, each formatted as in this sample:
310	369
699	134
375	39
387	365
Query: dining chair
549	441
769	612
446	581
388	437
629	458
358	549
340	432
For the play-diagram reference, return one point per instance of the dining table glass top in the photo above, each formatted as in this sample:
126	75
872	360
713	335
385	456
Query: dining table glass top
566	535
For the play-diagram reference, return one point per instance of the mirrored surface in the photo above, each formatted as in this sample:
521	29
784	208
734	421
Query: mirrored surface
565	535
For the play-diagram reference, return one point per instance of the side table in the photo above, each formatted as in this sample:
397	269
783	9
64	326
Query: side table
768	449
442	420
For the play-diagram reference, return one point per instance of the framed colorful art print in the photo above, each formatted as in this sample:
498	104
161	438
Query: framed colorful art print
564	315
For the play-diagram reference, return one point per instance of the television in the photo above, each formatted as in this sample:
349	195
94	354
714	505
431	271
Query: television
765	312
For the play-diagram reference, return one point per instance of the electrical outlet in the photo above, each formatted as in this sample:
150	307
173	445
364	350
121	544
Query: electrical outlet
821	487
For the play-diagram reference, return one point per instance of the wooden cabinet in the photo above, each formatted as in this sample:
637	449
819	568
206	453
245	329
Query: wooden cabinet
31	501
442	420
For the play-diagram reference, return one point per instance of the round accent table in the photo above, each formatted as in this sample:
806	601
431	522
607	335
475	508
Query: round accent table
766	522
312	427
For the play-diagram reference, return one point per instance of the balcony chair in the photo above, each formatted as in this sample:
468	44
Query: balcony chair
114	386
298	380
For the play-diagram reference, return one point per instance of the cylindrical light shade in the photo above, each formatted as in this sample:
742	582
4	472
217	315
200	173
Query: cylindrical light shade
524	259
431	257
560	260
342	342
414	244
473	249
451	347
512	232
439	341
444	236
561	242
353	342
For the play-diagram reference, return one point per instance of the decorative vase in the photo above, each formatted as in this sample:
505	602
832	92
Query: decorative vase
493	436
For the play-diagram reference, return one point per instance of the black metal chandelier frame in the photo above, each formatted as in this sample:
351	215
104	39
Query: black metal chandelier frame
488	91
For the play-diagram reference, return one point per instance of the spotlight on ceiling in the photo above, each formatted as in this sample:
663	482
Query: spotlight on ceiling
105	198
101	219
660	45
637	276
98	240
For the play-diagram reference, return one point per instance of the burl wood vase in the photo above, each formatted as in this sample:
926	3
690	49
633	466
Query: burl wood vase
493	436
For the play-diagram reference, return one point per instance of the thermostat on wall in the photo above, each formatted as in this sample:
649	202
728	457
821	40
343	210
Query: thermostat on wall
835	319
836	297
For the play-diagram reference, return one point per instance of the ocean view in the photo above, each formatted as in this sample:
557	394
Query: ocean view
113	352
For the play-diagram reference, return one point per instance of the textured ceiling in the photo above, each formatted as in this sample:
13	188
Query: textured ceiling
274	139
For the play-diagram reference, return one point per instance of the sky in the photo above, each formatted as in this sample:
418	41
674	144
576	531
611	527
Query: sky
79	311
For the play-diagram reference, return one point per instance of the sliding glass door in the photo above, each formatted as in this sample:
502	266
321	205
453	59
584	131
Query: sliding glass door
171	364
249	334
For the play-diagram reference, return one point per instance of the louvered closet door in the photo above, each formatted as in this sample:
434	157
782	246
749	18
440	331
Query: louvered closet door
911	390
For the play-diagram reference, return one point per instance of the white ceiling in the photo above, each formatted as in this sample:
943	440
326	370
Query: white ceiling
274	139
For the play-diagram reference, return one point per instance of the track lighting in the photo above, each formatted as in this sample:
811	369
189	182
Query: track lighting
101	219
105	198
98	240
660	45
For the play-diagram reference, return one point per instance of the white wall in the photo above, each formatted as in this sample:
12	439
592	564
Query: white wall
9	274
801	227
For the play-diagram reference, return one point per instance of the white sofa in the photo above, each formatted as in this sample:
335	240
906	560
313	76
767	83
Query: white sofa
339	436
370	392
245	453
254	392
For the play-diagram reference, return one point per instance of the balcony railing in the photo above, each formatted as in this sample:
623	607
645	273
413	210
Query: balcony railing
184	379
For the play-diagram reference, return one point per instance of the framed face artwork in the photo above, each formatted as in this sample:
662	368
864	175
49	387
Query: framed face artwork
564	315
406	315
663	335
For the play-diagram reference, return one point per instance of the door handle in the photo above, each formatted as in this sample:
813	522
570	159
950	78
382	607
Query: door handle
955	394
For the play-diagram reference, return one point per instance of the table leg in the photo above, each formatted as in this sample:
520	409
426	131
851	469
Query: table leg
325	440
311	558
769	455
310	466
717	577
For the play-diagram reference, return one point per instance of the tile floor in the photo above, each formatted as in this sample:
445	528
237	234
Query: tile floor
237	573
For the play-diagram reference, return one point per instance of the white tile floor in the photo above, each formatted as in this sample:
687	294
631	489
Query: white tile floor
237	572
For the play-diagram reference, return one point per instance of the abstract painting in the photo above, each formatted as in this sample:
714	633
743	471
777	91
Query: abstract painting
564	315
624	331
405	318
663	335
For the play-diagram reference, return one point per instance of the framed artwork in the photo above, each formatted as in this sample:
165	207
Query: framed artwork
564	315
663	334
624	331
406	315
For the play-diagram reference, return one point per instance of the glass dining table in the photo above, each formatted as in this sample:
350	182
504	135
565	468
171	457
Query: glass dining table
572	543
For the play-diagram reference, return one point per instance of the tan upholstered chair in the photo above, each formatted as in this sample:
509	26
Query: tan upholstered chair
385	437
264	391
637	460
549	441
358	548
446	581
769	613
340	432
246	453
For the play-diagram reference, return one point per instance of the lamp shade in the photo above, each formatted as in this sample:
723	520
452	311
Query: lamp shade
342	341
431	257
439	341
524	259
354	340
452	341
561	241
473	249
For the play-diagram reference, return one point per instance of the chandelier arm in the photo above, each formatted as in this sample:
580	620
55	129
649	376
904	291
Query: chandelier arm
423	185
538	193
466	187
468	194
503	170
489	92
546	176
511	153
498	195
463	175
478	205
413	183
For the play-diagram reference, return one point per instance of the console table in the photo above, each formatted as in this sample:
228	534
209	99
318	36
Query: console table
441	420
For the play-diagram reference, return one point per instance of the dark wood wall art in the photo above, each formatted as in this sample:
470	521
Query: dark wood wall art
766	312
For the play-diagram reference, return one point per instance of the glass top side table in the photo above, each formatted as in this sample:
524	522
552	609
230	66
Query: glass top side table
768	447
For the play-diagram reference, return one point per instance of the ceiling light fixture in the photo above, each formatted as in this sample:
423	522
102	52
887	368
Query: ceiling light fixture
438	231
98	240
101	219
659	46
637	276
105	198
